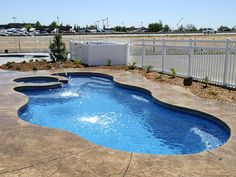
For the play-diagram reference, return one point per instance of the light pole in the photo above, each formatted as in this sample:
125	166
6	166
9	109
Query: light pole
141	24
107	22
98	24
57	30
58	21
179	22
103	23
14	18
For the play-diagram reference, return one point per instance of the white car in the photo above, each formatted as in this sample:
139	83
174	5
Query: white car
209	31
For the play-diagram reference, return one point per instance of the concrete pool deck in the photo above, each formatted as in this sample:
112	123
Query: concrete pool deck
30	150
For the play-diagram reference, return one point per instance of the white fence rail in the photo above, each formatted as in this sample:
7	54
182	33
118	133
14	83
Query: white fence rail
193	58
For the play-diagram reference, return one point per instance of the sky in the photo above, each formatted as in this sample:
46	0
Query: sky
201	13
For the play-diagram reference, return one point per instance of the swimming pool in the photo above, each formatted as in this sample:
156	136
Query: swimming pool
107	114
38	79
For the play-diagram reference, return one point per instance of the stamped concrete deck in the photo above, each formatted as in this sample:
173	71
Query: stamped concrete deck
29	150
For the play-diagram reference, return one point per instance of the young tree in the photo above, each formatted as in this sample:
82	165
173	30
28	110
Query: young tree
224	28
38	25
191	27
58	48
166	28
53	25
28	26
155	27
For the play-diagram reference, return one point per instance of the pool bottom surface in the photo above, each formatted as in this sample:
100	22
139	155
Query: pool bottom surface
123	119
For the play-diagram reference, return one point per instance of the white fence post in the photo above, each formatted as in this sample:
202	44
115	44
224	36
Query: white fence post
163	55
35	44
143	51
154	45
190	57
226	65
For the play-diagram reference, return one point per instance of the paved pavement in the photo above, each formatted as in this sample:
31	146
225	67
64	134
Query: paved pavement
30	150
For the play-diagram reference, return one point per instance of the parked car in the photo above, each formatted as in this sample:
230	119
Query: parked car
209	31
3	33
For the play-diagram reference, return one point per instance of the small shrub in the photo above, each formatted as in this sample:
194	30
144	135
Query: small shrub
18	68
24	62
36	60
159	77
148	68
49	67
132	66
77	62
31	60
9	65
109	62
213	92
205	80
35	68
44	60
173	72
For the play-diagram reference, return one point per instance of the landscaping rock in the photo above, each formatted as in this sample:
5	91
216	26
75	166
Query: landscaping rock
188	81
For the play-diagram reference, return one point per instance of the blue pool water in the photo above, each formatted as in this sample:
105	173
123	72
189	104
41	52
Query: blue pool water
106	114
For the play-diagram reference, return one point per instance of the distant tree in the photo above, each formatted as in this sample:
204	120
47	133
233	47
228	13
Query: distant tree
224	28
53	25
166	28
38	25
155	27
132	28
120	28
58	48
28	26
191	28
181	28
92	27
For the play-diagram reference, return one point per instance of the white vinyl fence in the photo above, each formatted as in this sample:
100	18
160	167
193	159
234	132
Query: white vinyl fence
190	58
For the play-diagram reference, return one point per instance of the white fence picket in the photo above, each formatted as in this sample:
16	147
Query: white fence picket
195	58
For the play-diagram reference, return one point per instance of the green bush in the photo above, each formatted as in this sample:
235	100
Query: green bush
213	92
18	68
206	81
159	77
173	72
148	68
49	67
58	48
35	68
109	62
77	62
24	62
31	60
132	66
9	65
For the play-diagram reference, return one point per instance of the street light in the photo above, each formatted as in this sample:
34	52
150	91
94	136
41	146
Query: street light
103	24
58	21
107	22
14	18
141	24
98	24
179	22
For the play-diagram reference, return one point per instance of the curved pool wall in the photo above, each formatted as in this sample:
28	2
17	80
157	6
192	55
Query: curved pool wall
145	144
37	79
